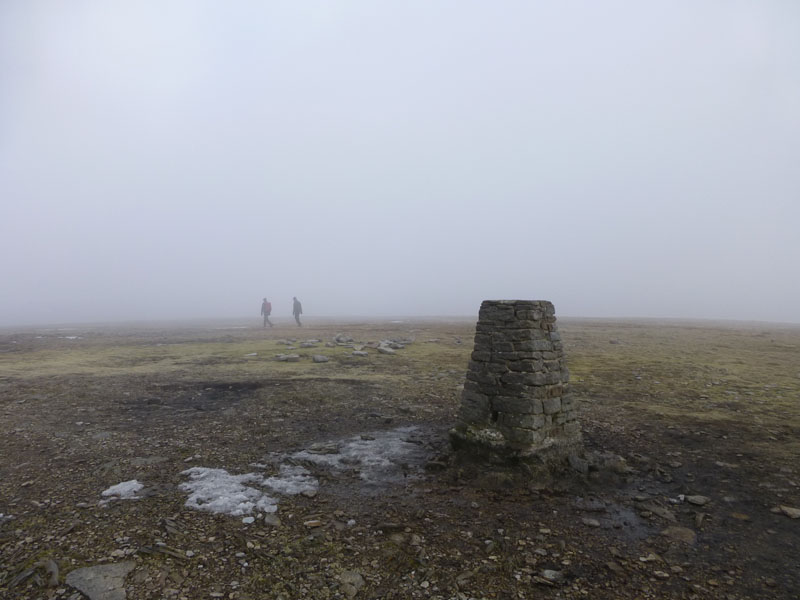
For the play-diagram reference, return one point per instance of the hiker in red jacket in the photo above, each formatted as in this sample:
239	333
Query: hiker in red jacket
266	309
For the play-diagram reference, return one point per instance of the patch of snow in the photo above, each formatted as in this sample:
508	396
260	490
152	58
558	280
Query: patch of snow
292	480
379	456
217	491
124	491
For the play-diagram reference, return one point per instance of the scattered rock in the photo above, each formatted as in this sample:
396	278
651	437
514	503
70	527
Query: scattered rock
652	557
698	519
590	522
324	448
680	534
288	357
272	520
352	582
102	582
320	358
360	353
386	350
552	576
792	513
661	574
51	568
615	567
664	513
698	500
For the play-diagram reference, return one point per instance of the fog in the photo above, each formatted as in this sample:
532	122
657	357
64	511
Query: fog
186	159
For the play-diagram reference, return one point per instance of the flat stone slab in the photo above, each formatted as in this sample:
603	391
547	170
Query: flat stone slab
680	534
102	582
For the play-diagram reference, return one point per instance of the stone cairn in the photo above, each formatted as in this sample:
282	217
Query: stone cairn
516	401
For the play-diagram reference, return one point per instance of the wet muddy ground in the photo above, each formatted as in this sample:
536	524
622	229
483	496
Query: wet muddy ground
694	428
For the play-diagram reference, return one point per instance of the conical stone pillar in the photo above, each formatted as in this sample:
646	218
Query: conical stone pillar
516	400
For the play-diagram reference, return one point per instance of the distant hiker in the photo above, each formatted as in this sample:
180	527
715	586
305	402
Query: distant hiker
297	310
266	310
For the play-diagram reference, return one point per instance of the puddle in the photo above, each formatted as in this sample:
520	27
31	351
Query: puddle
612	515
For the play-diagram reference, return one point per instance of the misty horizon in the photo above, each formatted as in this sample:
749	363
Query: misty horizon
183	161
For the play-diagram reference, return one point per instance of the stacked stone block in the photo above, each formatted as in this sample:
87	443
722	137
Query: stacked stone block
516	395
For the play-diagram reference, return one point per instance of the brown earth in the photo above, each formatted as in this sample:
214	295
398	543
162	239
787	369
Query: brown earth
695	409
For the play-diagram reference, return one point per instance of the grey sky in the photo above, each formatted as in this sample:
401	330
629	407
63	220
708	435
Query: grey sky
184	159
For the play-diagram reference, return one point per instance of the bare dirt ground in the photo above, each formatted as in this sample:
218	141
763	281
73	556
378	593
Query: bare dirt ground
695	409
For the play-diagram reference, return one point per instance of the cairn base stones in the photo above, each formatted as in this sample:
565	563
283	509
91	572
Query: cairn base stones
516	401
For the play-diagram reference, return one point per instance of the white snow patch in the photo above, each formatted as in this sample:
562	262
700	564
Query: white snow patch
125	491
292	480
377	457
217	491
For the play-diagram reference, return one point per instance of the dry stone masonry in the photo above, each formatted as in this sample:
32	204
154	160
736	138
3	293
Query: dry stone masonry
516	399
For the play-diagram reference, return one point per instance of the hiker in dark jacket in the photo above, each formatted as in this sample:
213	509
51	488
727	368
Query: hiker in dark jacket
266	310
297	310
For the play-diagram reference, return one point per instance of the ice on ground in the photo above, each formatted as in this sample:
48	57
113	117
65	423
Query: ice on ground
125	491
217	491
292	480
379	456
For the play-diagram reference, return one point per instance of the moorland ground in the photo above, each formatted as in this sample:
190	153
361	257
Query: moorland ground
694	409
